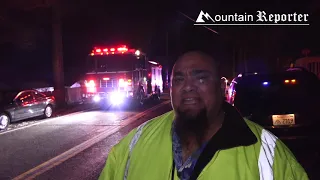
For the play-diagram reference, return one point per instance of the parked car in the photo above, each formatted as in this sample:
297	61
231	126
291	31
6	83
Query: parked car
21	105
286	103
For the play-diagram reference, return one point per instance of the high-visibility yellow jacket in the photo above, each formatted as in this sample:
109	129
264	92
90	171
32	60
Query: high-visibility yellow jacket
247	152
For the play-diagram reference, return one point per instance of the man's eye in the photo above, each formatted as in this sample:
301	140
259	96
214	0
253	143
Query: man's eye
178	79
202	79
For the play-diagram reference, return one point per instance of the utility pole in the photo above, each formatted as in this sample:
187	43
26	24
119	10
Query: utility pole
57	52
244	56
234	60
167	61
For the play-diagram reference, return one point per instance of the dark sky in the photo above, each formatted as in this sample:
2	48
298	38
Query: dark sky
26	36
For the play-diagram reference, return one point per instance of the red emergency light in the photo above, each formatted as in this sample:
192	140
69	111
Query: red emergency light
122	49
91	86
105	51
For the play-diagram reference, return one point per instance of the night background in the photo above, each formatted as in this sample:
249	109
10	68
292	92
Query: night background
162	30
79	123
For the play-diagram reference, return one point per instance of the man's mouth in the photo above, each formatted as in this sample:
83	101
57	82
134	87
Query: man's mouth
190	101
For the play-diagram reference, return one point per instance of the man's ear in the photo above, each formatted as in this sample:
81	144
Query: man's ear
223	86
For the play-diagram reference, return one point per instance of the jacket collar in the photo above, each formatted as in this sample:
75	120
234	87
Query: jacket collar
234	131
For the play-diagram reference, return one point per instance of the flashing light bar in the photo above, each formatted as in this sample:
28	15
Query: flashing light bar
123	49
102	51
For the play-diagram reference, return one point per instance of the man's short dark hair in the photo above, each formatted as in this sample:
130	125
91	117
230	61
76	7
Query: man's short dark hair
215	63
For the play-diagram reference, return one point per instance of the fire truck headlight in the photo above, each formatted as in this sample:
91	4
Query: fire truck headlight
96	98
116	98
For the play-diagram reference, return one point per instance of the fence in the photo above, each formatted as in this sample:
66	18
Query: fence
73	95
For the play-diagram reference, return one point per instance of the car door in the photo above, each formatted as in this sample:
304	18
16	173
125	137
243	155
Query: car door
25	105
40	103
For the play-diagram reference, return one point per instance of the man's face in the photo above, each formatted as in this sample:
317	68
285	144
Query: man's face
195	86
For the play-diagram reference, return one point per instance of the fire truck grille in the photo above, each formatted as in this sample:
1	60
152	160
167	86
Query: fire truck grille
103	83
109	84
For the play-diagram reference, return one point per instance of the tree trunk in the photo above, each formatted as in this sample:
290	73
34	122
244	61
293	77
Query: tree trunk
57	53
234	60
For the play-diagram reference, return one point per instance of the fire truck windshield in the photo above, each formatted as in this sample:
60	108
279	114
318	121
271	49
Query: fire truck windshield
111	63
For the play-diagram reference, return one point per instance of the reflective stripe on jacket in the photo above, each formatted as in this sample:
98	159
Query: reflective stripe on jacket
146	154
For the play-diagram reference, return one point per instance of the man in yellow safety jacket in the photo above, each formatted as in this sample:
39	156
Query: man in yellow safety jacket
202	138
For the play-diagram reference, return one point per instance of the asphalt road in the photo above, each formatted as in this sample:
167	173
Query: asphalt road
70	147
76	146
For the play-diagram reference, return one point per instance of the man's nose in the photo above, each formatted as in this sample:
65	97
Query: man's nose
188	86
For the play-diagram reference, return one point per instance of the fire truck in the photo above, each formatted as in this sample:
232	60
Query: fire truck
118	74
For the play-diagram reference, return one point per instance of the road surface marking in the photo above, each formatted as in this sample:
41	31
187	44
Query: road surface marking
44	121
40	169
131	120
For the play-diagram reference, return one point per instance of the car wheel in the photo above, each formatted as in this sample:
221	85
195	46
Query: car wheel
4	121
48	111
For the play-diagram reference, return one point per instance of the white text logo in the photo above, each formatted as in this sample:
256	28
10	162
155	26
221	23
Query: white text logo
260	18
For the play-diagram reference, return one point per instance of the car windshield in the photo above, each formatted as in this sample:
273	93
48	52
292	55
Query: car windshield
277	93
118	62
7	96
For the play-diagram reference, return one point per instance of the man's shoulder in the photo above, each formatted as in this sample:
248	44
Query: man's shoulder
159	123
283	158
263	135
266	138
255	128
151	127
